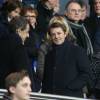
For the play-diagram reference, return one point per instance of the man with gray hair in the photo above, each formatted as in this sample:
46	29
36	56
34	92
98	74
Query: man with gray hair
73	12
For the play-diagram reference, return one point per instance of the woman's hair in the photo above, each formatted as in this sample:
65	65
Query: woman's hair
18	23
61	20
57	24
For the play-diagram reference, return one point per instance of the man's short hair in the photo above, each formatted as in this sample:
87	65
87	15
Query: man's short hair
13	79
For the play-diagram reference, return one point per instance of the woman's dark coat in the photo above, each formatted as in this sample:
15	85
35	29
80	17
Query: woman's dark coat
66	70
13	57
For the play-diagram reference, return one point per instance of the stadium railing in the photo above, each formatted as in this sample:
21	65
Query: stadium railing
43	96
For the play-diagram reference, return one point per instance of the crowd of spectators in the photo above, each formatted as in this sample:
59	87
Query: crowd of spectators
59	50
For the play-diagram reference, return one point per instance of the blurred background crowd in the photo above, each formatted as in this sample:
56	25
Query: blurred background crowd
56	41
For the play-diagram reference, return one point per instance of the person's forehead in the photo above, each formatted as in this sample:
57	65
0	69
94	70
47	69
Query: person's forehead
74	5
26	79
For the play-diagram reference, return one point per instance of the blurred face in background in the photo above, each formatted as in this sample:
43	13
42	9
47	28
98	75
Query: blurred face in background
31	17
97	7
15	13
74	12
84	13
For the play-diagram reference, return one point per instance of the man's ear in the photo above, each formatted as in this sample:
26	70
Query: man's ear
12	89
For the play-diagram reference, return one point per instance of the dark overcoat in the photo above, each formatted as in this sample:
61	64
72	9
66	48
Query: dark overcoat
67	70
13	57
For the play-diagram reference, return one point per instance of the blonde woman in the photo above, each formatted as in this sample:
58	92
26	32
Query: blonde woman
66	68
46	45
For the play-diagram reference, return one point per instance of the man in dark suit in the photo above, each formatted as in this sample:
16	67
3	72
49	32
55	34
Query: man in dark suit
96	21
95	32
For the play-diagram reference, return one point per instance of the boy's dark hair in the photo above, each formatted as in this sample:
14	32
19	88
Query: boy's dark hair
13	79
9	6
